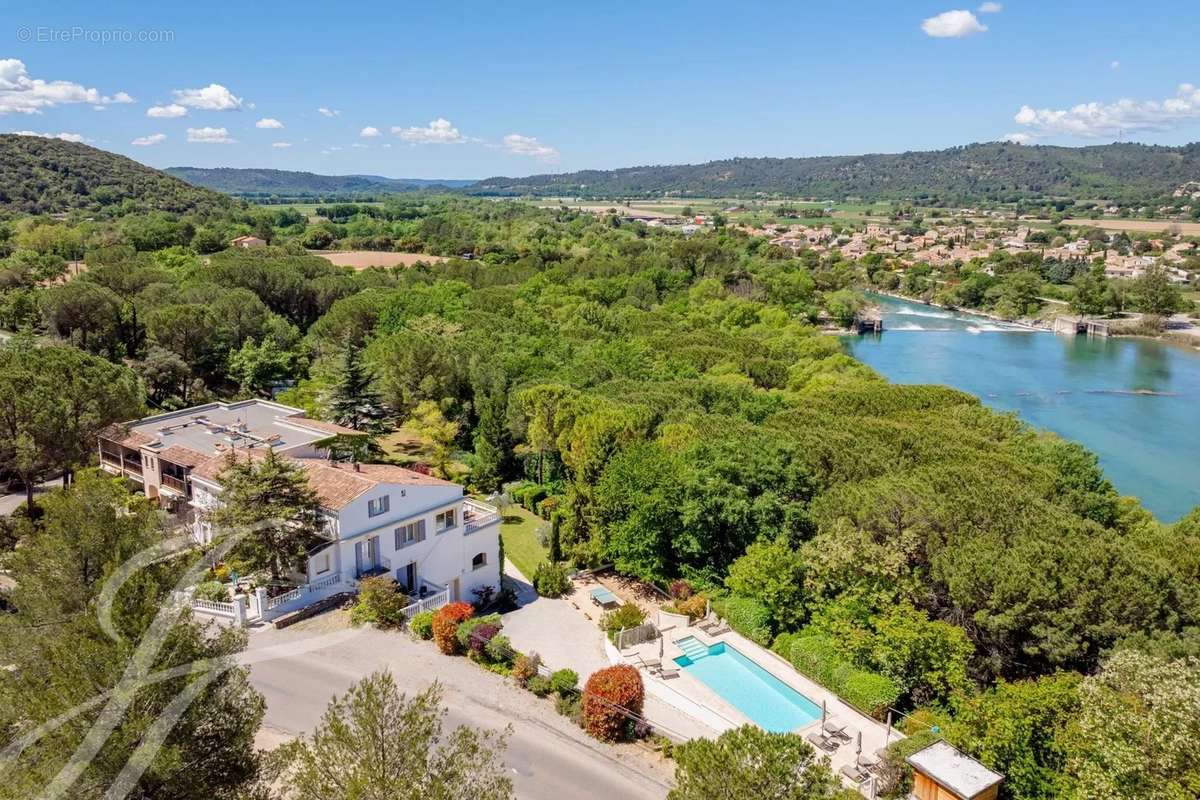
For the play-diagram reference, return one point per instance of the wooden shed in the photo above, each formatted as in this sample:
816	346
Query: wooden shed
943	772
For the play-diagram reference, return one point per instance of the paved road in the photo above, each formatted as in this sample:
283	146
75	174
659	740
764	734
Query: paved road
550	758
10	502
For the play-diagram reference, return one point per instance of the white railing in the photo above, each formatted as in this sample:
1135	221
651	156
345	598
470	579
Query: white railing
431	603
213	607
477	515
328	580
286	597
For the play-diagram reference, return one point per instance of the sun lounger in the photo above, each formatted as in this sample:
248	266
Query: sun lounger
603	597
668	672
826	743
867	762
837	730
855	773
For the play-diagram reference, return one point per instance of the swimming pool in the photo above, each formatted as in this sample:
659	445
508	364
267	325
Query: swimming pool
768	701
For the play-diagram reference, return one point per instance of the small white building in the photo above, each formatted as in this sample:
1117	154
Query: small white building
380	518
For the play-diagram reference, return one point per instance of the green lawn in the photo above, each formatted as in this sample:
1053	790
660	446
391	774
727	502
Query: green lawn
520	539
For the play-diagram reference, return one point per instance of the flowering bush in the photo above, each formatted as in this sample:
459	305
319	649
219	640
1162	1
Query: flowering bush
680	590
694	606
445	625
467	627
479	639
609	696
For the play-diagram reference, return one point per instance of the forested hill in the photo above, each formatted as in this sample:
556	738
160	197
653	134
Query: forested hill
40	175
995	171
290	183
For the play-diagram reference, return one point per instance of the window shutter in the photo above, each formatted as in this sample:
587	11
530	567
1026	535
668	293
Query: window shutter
421	530
399	538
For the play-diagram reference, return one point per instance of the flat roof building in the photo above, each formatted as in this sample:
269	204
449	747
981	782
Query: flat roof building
943	772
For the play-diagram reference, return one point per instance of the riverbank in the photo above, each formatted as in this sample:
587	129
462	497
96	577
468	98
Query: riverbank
1028	323
1130	400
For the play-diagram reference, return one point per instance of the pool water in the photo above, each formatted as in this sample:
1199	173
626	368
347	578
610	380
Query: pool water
768	701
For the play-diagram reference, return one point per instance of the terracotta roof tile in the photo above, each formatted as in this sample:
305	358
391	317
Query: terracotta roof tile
122	435
185	456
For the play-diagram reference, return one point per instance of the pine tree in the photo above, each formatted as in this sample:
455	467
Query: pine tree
493	442
353	402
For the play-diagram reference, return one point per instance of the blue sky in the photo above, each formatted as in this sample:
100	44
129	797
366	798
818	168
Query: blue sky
469	90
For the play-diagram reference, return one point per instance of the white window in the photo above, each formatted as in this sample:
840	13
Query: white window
479	561
410	534
377	506
444	521
322	564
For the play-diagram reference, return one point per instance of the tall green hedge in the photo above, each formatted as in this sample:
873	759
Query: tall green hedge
817	656
747	616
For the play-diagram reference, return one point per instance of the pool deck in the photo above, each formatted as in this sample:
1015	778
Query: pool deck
695	698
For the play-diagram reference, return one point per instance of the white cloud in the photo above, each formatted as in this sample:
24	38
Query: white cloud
1115	65
328	112
387	145
439	131
953	25
170	111
1091	120
152	139
530	146
369	132
359	146
21	94
66	137
991	8
281	145
213	97
268	122
209	136
1019	138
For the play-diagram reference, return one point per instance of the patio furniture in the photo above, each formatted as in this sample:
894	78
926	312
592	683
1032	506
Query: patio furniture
826	743
666	671
867	762
837	730
603	597
855	773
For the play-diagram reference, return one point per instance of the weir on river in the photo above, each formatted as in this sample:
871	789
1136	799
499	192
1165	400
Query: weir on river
1133	402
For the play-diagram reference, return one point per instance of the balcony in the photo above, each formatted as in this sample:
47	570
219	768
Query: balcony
382	566
477	516
112	459
178	485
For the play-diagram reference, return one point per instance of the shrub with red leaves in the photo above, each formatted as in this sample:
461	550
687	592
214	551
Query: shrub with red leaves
481	636
445	625
608	694
680	590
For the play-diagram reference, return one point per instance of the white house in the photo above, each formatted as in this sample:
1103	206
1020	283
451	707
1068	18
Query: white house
380	519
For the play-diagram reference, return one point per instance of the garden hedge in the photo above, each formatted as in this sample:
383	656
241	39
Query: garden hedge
817	656
747	616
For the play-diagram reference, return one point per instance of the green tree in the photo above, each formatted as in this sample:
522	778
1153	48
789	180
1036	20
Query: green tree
54	400
1153	293
257	366
61	658
437	434
374	742
493	441
772	572
83	310
927	659
269	497
1136	733
352	401
749	763
1019	729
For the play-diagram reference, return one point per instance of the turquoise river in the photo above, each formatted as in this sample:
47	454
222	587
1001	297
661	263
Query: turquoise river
1133	402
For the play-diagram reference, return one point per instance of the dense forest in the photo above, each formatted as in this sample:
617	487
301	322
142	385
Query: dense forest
266	182
992	172
39	175
675	400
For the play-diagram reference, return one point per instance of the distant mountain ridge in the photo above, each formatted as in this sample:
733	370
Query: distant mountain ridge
996	171
39	175
238	181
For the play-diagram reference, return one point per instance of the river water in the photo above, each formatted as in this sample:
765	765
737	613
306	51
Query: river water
1133	402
